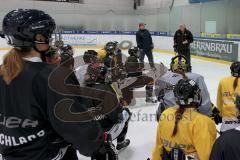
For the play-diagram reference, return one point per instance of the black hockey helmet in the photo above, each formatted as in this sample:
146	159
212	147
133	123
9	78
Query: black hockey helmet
187	92
90	56
134	51
66	56
96	73
52	51
22	25
116	43
67	48
110	47
235	69
180	62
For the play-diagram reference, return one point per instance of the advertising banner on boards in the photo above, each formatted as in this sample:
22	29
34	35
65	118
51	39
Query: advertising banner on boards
79	39
225	50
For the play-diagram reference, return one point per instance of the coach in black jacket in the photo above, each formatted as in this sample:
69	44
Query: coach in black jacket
182	40
144	42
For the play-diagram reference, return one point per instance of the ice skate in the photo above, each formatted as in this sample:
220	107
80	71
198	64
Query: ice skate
123	145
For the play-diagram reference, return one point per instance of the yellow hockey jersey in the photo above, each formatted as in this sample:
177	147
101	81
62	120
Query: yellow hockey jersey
196	134
226	97
102	54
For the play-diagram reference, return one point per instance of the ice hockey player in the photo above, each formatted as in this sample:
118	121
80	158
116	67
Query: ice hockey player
68	48
115	123
113	60
183	133
134	70
111	56
67	59
227	146
32	126
227	90
90	56
179	68
52	56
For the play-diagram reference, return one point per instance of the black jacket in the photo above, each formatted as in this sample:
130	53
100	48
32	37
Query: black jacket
227	146
144	40
180	37
31	126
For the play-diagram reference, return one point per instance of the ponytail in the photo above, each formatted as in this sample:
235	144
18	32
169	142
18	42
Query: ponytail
235	83
12	65
178	117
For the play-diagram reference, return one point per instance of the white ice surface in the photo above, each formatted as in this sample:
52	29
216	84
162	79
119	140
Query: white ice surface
142	129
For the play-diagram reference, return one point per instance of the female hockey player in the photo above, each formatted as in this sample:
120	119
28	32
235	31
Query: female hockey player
111	56
89	57
63	57
115	123
228	89
52	56
67	59
179	68
134	71
227	146
113	60
35	122
183	133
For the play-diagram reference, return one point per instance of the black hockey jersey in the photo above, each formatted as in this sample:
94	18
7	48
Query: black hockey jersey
133	67
227	146
35	124
114	115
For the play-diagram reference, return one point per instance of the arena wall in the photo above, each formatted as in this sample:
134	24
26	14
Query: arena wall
212	48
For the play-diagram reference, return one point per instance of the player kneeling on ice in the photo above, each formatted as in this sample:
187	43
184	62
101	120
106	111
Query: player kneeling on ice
136	78
179	69
183	133
228	89
227	146
36	124
111	56
115	123
90	56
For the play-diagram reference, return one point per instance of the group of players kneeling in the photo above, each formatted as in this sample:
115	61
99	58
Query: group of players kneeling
190	132
107	71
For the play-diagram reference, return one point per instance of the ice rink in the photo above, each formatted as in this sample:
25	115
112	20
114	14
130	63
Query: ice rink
142	128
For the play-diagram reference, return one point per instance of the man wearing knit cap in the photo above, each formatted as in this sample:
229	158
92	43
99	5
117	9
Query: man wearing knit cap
145	43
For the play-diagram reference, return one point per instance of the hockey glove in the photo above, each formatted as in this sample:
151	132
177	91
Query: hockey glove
216	115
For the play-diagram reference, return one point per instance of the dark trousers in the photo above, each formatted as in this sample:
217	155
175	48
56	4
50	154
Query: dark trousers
149	55
140	82
186	53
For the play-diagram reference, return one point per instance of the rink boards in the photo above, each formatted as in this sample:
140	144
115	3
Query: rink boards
214	48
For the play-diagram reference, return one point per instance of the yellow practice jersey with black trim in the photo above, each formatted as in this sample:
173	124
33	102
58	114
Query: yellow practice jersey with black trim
227	96
196	134
102	54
